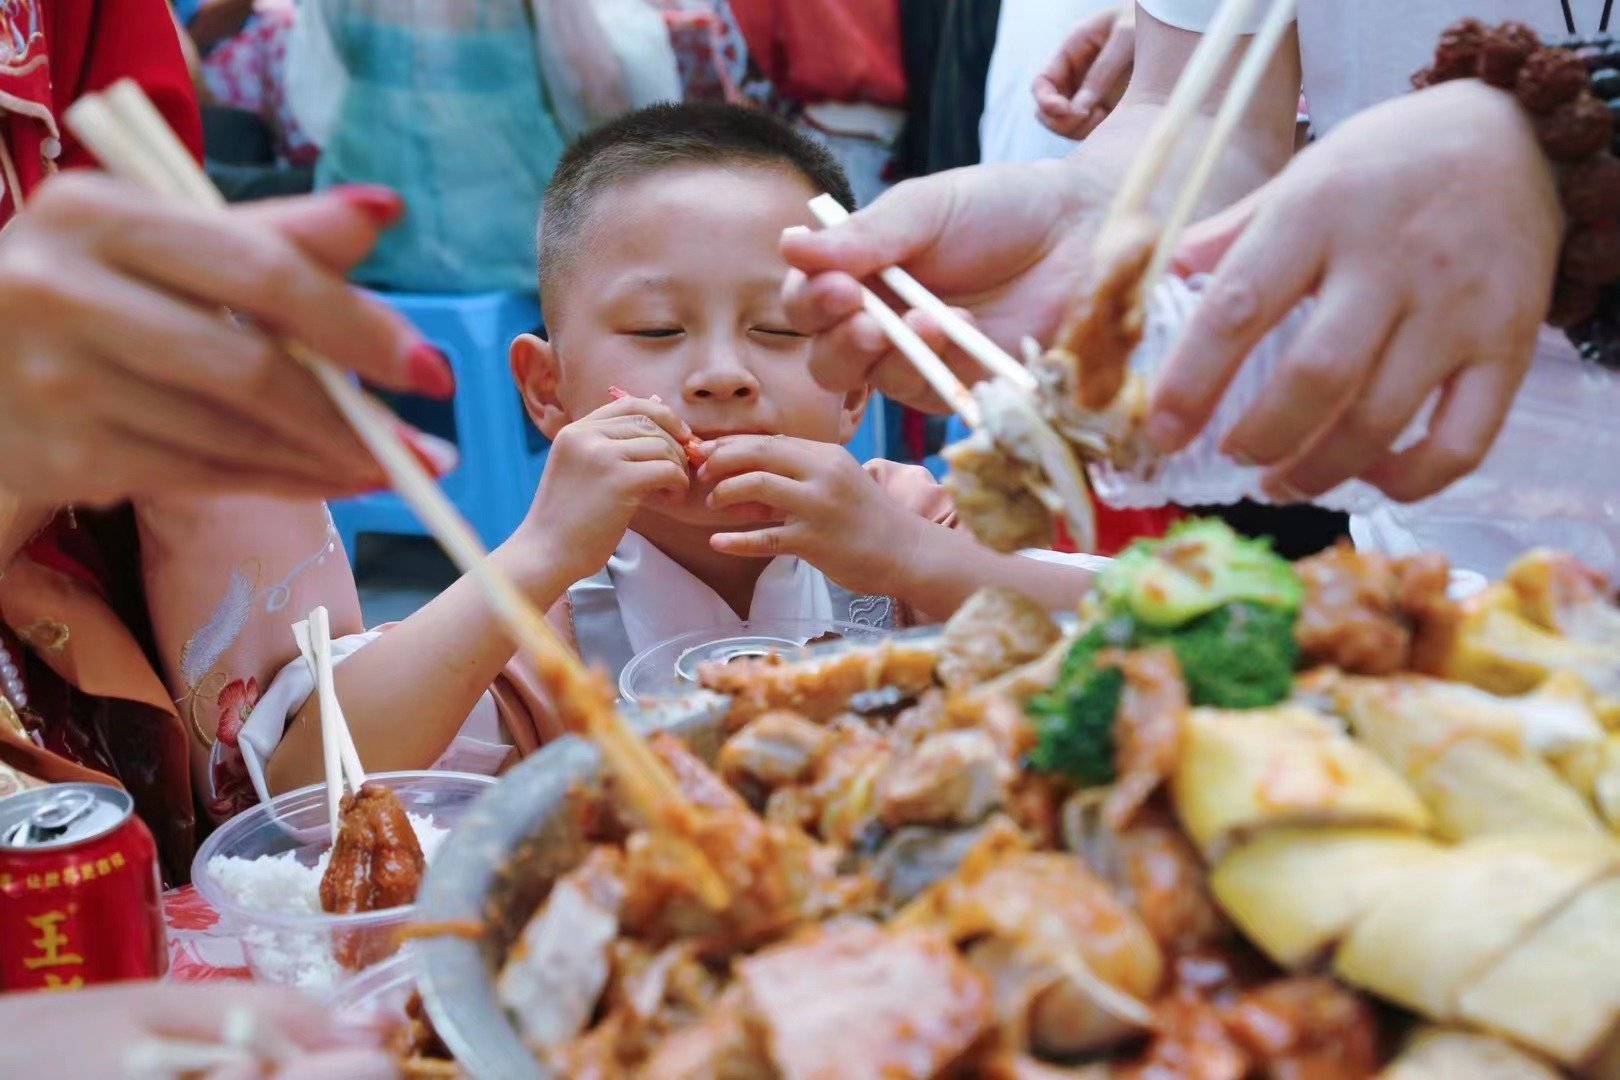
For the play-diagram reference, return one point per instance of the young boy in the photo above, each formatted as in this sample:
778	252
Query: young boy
660	274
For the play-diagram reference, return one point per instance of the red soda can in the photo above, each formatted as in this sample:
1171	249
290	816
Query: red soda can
80	898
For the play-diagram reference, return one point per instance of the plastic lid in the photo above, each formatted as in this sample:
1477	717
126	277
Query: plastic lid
671	666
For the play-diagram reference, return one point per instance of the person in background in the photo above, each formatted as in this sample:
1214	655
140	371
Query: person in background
836	70
720	492
254	143
462	131
1036	106
137	626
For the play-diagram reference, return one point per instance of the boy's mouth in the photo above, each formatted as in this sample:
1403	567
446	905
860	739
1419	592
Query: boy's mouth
711	434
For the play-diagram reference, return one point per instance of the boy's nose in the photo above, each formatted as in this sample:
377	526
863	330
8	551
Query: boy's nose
721	382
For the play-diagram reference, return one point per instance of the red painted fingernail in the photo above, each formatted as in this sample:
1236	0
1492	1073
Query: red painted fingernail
381	204
435	455
430	372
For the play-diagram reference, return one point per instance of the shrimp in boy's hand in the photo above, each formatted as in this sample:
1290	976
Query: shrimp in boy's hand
693	448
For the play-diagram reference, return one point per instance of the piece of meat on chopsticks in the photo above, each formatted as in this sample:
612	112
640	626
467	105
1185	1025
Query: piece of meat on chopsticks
377	861
995	495
1105	324
854	1000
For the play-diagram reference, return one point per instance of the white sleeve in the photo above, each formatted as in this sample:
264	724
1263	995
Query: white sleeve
262	731
1195	15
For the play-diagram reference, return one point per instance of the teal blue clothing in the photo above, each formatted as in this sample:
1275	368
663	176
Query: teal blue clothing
445	105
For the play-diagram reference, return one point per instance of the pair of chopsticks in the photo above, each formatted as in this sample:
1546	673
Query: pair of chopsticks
129	136
342	761
1073	498
1197	79
1203	69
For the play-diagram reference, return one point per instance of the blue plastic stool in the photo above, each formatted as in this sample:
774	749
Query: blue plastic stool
956	430
871	438
501	454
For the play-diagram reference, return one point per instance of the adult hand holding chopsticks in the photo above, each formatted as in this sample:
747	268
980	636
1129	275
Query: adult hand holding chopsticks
1002	243
118	376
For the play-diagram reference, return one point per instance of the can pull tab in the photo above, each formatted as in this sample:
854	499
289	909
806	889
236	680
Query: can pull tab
53	818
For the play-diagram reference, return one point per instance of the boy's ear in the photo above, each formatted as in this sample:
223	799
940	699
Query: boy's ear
534	366
849	420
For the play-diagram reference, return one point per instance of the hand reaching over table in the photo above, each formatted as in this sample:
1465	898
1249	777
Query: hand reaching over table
120	376
215	1030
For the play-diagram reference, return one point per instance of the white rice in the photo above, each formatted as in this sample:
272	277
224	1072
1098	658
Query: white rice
282	885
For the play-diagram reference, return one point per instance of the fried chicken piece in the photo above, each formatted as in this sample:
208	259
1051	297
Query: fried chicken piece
817	689
1148	729
855	1000
994	493
1105	325
1071	960
377	862
1163	878
721	1046
1371	615
995	631
1306	1029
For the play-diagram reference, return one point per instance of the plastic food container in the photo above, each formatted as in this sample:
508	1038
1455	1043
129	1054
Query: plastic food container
669	668
376	998
284	935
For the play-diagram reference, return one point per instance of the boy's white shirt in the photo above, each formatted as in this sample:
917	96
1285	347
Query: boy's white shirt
658	599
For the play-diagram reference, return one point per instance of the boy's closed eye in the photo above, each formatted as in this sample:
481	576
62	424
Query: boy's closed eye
781	332
655	333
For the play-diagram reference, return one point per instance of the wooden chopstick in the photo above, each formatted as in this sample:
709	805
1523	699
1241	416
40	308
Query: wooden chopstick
967	337
1194	85
1245	83
128	135
320	633
939	377
334	729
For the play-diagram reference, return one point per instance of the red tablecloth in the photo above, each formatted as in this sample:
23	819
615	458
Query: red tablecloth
198	949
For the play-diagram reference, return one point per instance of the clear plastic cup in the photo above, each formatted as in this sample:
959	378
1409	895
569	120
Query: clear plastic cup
314	950
375	999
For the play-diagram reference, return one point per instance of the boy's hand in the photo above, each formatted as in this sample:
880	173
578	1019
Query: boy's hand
600	471
831	513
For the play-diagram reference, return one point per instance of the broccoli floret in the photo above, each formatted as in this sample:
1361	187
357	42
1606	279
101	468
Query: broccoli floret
1200	566
1076	727
1224	605
1240	656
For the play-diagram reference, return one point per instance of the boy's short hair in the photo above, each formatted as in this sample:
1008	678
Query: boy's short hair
668	136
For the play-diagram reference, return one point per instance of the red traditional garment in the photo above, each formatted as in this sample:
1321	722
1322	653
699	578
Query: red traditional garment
52	52
73	602
827	50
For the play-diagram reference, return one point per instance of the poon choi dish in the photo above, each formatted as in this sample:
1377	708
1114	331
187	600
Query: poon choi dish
1252	819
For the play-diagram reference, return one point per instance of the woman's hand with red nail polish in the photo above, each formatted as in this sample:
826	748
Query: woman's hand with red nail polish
122	375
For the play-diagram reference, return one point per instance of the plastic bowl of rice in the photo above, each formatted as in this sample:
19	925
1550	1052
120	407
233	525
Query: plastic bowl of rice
261	871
